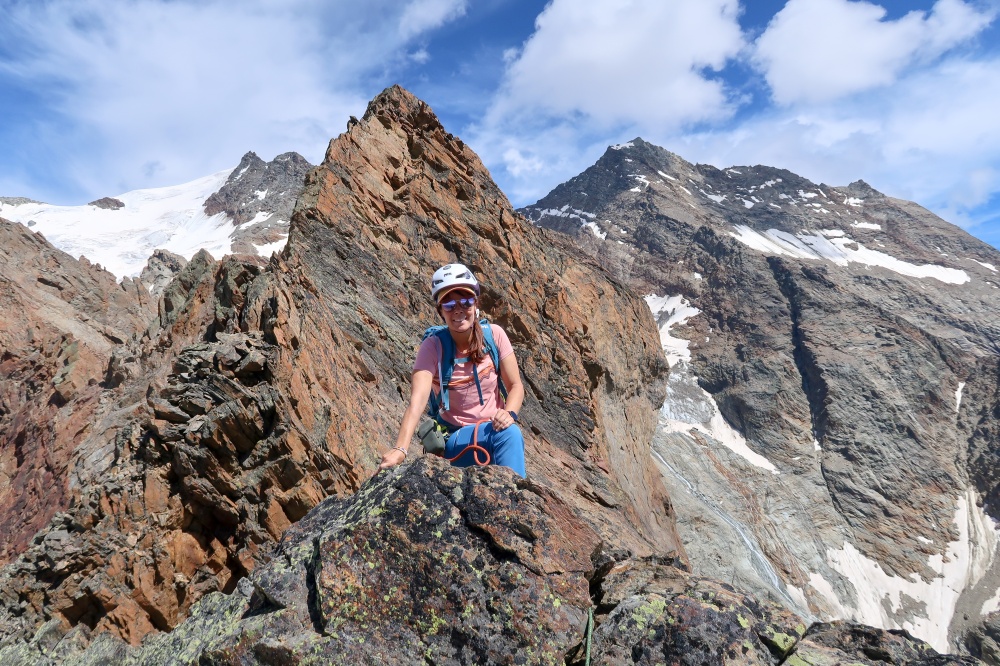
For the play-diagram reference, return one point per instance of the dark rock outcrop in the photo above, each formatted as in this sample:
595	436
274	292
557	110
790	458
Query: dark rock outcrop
259	198
17	201
427	563
107	203
160	270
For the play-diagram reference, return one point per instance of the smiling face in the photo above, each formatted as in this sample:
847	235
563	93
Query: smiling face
461	319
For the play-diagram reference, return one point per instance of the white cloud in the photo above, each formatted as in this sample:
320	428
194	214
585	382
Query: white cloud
932	137
423	15
819	50
595	67
152	92
624	60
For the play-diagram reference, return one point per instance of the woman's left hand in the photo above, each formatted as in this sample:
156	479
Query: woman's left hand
502	420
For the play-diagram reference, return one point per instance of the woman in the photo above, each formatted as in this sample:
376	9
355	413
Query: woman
472	394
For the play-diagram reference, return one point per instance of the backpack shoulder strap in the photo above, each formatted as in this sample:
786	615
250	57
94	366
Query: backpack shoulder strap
446	365
491	347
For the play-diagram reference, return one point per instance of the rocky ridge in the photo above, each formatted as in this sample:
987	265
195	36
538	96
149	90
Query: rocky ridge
254	390
830	432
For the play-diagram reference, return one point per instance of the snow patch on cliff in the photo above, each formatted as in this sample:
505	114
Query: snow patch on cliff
986	265
268	248
597	231
992	605
689	407
929	604
670	311
837	250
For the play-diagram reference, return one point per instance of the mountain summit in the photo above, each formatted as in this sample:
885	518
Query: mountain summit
244	210
829	435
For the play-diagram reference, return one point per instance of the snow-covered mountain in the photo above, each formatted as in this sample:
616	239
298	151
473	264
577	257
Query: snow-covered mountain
831	427
243	210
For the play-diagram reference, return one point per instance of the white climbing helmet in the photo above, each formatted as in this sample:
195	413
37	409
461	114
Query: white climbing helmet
452	275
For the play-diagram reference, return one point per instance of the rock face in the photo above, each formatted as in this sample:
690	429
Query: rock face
983	641
261	388
62	321
160	270
259	198
831	426
431	564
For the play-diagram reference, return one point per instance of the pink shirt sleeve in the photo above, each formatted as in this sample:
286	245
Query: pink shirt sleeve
428	355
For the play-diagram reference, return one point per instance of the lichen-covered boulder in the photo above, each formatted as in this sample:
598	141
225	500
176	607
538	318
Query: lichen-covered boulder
427	563
658	614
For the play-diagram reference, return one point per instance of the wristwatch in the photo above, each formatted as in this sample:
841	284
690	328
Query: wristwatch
513	414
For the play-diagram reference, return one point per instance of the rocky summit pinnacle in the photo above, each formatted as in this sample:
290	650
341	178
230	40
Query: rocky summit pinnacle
259	197
259	390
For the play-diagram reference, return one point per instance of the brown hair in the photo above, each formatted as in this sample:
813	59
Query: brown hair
478	342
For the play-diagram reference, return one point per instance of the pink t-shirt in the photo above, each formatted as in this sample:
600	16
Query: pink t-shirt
463	397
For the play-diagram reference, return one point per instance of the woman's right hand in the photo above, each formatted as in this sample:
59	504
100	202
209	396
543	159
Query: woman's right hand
391	458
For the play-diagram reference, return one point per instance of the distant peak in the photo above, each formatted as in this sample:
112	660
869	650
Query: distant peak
290	156
862	189
249	158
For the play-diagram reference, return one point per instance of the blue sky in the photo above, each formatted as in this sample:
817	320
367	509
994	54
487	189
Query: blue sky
98	97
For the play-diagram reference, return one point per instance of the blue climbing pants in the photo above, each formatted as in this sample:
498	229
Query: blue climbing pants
506	447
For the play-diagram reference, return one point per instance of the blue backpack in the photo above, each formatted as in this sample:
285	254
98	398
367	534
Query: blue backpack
446	366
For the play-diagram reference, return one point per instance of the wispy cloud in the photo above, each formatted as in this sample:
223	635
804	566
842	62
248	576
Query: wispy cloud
932	139
422	15
154	91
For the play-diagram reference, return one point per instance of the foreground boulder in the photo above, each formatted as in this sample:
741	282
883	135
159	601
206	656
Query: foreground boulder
432	564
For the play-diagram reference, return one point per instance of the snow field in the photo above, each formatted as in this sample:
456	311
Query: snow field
806	246
170	218
964	562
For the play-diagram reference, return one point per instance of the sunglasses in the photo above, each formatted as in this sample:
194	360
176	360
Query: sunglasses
465	303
